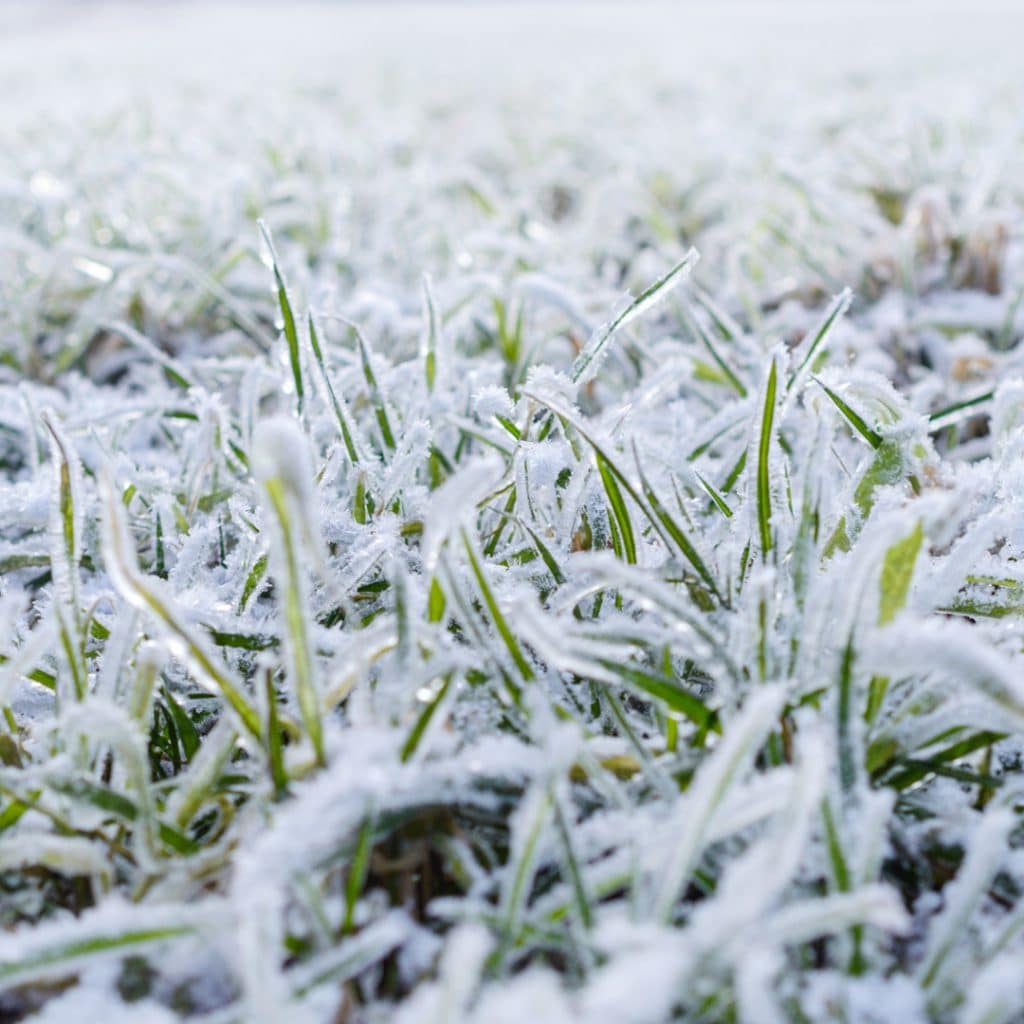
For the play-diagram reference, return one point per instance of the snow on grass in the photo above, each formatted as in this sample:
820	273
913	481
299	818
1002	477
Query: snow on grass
429	591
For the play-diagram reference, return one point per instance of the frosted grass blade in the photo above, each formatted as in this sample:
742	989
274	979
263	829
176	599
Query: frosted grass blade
291	333
590	357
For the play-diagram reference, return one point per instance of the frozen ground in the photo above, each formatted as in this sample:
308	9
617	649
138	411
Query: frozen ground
566	567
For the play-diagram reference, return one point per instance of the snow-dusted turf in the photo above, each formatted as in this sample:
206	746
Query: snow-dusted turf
511	513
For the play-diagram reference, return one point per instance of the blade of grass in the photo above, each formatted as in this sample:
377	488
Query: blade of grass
432	335
586	362
764	495
341	413
147	597
698	331
296	636
490	602
291	333
618	508
840	304
852	417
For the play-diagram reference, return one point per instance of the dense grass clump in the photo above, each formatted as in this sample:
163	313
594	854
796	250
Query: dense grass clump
528	585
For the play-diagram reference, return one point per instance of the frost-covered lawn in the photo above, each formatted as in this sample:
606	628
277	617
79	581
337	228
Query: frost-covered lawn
511	513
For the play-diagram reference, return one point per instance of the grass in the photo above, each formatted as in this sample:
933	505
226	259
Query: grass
450	598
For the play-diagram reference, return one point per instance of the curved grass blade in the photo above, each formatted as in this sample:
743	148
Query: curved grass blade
586	362
146	596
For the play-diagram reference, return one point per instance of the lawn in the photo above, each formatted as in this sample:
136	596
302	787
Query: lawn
511	513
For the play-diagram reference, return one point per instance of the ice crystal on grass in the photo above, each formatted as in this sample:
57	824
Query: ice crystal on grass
429	592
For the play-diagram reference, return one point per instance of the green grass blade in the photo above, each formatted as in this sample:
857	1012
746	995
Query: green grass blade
852	417
376	395
847	751
836	310
897	571
698	330
358	869
716	498
667	691
296	630
617	505
144	595
764	494
341	413
291	333
432	336
424	718
586	362
679	540
494	612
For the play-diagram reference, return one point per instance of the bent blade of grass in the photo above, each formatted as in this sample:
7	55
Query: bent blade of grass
65	530
665	690
147	596
588	360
